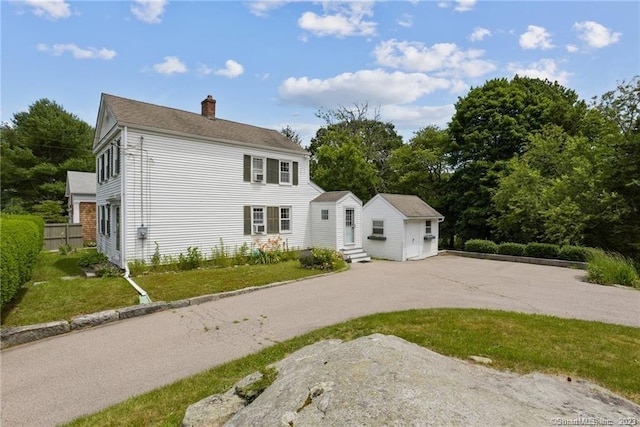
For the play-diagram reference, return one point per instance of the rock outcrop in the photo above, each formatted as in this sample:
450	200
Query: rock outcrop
383	380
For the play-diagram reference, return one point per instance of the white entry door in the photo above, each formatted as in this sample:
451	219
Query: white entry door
349	226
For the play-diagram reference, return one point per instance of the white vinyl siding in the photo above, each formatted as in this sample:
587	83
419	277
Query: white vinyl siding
108	194
403	237
193	194
393	246
330	233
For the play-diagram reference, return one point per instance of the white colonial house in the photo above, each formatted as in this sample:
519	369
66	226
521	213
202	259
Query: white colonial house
171	179
400	227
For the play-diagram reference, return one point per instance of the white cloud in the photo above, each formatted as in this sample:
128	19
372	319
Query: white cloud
406	21
149	11
204	70
262	8
596	35
445	58
51	9
77	52
232	69
535	38
479	34
340	20
572	48
171	65
458	5
464	5
378	87
543	69
417	117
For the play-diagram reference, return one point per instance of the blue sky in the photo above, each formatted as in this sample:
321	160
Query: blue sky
276	63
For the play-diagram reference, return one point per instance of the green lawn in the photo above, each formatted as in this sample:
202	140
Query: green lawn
608	355
187	284
47	297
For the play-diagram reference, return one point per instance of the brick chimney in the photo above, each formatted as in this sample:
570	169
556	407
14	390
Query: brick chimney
209	107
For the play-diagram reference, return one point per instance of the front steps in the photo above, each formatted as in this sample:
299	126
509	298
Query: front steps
355	255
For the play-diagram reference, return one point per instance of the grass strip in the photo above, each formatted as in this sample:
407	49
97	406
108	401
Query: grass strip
608	355
48	297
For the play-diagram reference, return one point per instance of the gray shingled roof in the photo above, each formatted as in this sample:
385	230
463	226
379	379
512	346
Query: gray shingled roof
81	183
330	196
411	206
131	113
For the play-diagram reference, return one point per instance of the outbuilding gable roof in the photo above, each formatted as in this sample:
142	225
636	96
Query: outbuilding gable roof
330	196
411	206
128	112
80	183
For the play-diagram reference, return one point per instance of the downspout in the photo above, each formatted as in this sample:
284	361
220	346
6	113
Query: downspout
143	297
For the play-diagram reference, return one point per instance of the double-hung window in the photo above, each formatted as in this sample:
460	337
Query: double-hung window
285	172
427	228
285	219
378	227
324	214
258	224
109	162
257	169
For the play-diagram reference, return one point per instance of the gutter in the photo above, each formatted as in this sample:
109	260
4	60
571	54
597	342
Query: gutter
143	297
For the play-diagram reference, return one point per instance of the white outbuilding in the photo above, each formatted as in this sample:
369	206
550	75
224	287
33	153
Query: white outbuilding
400	227
335	224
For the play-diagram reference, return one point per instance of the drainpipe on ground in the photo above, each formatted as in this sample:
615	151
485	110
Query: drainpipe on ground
143	297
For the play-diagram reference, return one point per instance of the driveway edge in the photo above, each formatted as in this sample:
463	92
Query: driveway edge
17	335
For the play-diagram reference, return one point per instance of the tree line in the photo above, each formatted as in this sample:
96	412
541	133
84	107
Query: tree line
522	160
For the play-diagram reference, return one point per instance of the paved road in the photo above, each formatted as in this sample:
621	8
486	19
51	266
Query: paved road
61	378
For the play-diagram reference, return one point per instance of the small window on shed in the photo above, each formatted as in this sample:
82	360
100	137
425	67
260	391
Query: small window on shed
324	214
378	227
427	229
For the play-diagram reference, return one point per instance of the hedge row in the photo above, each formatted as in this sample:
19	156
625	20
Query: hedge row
534	250
21	238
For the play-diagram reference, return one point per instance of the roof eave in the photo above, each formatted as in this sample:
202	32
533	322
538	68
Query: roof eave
301	152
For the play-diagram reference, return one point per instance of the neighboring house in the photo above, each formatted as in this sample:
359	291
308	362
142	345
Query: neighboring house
335	223
400	227
81	194
169	179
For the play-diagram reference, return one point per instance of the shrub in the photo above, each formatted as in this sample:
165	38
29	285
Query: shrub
91	257
573	253
137	267
318	258
107	269
21	240
516	249
191	261
541	250
482	246
611	269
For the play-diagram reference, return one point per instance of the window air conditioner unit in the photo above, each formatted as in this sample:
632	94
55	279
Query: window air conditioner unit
259	178
258	229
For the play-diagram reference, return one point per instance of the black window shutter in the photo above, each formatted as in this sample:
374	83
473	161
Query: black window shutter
247	168
273	220
247	220
273	170
295	173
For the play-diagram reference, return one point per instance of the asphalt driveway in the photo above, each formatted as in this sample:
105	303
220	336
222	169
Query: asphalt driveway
58	379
